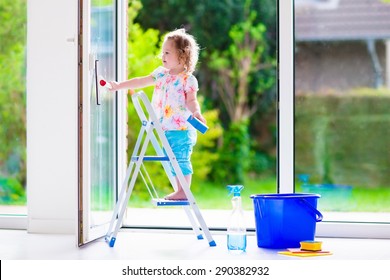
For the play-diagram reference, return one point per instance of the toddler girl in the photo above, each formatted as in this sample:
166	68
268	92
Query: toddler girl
174	98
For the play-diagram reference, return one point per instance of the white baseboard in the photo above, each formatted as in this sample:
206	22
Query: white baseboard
51	226
353	230
13	222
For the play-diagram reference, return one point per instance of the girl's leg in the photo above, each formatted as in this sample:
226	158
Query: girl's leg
179	193
181	142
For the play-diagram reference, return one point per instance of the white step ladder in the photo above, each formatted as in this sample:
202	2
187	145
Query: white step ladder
151	127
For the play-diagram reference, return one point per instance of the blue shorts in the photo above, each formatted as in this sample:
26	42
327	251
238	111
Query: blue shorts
182	143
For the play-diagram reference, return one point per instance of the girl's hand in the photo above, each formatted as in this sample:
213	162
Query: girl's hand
114	86
198	115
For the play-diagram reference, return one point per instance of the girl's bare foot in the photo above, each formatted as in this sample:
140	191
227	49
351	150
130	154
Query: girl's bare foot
178	195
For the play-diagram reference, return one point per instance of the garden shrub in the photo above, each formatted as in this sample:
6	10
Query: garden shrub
343	138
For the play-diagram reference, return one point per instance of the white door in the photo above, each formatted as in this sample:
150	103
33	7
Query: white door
97	118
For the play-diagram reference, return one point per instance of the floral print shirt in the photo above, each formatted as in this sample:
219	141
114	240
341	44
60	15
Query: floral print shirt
169	98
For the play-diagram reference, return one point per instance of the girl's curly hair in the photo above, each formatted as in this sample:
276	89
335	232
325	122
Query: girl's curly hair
186	46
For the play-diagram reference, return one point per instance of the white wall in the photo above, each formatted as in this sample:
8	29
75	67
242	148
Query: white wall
52	172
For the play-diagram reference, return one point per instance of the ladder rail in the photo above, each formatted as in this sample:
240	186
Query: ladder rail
127	188
146	178
152	115
150	125
141	95
136	97
129	171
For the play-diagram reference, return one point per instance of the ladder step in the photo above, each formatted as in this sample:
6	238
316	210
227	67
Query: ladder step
165	202
151	158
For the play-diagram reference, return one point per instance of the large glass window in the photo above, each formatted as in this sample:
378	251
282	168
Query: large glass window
342	98
237	79
13	18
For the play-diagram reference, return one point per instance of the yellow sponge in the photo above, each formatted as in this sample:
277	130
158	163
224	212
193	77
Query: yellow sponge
311	245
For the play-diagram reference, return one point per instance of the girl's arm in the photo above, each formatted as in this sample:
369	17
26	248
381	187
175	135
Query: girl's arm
193	105
139	82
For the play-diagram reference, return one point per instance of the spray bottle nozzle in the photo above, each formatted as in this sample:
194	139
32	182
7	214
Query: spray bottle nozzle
235	189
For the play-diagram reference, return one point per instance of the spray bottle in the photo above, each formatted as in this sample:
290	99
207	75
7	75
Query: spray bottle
236	230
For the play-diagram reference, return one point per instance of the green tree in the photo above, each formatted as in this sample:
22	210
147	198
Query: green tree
235	67
204	19
13	18
210	22
143	49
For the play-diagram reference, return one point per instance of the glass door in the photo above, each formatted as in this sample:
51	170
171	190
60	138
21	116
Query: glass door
341	116
98	128
237	91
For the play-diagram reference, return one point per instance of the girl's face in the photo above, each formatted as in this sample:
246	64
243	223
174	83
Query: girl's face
170	57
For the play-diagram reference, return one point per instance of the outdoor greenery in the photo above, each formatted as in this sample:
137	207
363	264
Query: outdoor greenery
358	200
236	74
323	144
237	78
12	101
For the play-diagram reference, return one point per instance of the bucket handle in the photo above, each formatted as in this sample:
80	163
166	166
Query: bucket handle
319	216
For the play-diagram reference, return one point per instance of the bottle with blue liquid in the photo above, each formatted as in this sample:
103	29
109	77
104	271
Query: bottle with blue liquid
236	230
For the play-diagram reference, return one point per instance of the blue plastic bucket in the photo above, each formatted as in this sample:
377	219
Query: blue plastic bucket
284	220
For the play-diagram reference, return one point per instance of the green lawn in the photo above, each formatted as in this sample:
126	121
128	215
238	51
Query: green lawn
211	196
359	199
215	196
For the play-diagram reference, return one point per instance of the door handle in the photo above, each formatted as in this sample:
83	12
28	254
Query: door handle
96	82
